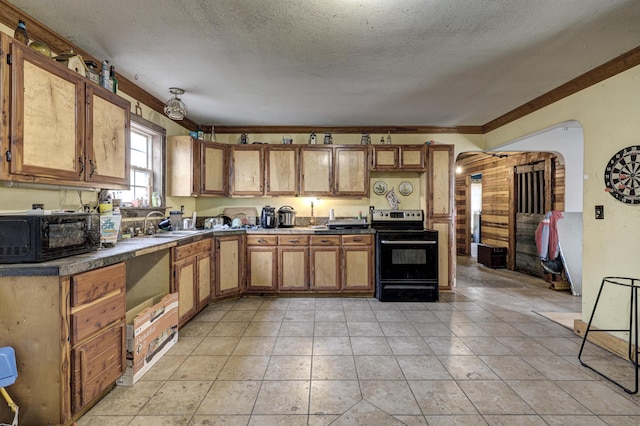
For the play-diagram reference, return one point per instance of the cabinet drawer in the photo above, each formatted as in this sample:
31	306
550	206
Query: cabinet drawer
96	365
262	240
293	240
192	249
93	318
95	284
325	240
357	240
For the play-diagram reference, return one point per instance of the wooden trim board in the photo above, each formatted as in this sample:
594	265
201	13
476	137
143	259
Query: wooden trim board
606	341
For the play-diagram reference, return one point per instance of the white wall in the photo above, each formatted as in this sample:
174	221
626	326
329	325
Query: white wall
567	141
608	114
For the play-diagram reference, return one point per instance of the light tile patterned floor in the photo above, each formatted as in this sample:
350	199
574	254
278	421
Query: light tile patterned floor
480	356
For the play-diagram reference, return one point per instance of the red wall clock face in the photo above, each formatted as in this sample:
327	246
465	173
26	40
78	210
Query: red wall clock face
622	175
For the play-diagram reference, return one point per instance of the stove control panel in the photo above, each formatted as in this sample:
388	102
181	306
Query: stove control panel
397	215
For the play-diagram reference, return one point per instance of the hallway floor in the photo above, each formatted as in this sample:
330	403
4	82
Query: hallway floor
482	355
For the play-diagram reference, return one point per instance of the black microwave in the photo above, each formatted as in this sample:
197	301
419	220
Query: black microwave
40	237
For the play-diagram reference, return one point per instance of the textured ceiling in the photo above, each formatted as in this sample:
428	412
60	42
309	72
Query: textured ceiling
347	62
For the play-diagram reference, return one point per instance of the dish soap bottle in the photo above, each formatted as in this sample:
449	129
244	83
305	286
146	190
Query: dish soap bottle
21	33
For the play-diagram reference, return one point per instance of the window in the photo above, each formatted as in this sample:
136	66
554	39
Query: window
147	154
530	183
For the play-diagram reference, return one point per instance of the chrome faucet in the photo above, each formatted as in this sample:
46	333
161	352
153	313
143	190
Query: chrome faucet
150	230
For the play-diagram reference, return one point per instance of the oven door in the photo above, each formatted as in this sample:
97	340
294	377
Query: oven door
407	256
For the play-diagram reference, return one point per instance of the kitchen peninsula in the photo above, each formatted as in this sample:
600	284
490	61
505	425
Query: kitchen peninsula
66	319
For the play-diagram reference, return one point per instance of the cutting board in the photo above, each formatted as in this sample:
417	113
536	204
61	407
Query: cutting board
244	213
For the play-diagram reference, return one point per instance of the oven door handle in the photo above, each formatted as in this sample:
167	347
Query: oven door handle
403	242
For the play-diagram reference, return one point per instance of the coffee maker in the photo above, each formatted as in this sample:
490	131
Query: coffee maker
268	217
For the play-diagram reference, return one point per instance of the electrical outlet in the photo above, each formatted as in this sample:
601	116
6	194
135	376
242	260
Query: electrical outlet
599	212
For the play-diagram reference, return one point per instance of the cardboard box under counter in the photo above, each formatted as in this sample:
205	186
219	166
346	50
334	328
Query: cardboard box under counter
152	329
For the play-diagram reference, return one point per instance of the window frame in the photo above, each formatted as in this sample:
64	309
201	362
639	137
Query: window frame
158	151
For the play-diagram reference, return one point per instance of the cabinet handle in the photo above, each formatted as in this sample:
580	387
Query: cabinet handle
81	166
294	241
83	373
93	168
357	240
262	241
324	241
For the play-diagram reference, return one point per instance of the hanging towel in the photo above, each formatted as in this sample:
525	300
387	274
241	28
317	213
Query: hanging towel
547	236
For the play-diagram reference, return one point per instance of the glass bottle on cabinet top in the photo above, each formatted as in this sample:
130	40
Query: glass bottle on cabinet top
21	33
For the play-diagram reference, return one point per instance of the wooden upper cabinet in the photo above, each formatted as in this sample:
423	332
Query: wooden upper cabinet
398	158
108	137
63	127
439	181
196	167
351	171
181	173
47	117
412	157
316	170
384	157
213	168
247	170
281	163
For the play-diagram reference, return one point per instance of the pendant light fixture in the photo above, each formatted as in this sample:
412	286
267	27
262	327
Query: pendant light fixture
175	109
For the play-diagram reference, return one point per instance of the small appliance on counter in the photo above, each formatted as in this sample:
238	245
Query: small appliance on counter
348	224
268	217
286	217
175	216
40	237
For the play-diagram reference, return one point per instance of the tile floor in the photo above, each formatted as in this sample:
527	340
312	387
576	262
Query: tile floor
482	355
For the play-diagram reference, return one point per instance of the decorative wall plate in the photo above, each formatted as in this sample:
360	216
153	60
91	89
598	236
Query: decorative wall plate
622	175
380	187
405	188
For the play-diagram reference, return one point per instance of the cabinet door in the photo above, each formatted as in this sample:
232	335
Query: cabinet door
107	138
440	212
96	365
184	282
262	268
412	157
47	117
247	170
358	268
229	263
204	266
324	273
213	169
384	157
181	175
439	181
293	268
316	170
282	170
351	171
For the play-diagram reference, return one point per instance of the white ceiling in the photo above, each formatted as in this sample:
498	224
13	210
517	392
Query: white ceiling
347	62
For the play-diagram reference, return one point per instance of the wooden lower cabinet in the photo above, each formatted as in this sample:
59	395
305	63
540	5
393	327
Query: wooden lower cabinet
191	277
292	267
358	263
230	265
97	364
324	263
262	264
97	332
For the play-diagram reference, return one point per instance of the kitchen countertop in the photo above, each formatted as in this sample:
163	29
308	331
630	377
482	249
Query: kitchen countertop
132	247
323	230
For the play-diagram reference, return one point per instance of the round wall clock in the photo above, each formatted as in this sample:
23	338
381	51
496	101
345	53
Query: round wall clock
622	175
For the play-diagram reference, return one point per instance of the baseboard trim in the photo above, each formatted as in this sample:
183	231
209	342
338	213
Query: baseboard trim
606	341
